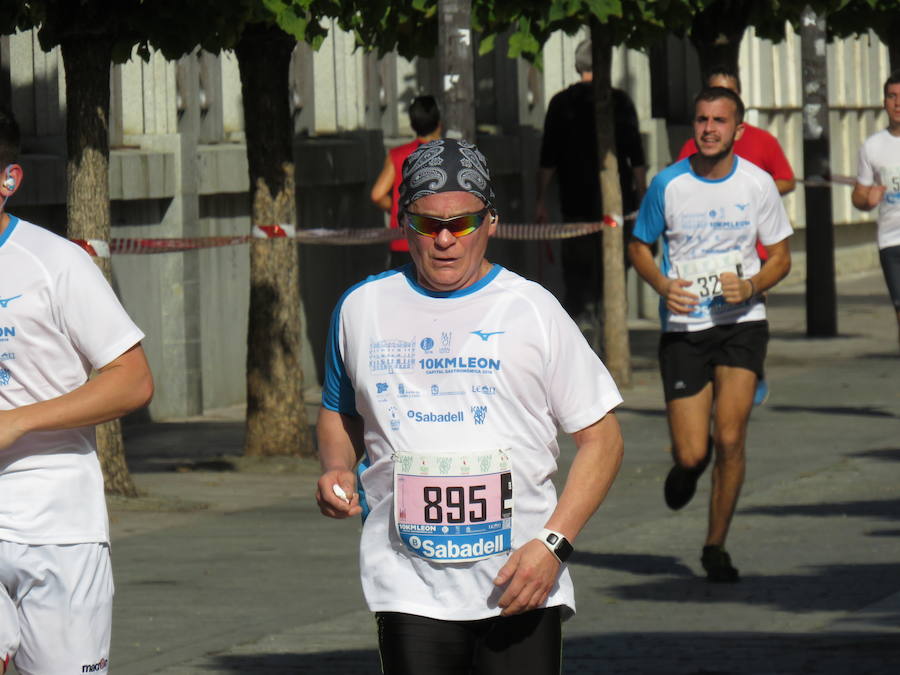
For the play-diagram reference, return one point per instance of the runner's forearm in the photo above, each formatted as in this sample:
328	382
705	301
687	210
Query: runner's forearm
340	440
642	259
121	386
776	268
596	463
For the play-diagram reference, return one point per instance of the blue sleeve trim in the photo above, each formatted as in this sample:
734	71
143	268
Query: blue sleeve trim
651	220
337	391
7	233
338	394
361	468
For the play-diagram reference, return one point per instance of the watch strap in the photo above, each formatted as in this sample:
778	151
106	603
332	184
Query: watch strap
556	543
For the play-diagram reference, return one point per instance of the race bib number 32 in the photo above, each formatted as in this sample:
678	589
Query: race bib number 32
703	273
454	508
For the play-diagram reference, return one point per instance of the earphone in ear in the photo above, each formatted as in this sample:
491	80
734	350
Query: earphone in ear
9	182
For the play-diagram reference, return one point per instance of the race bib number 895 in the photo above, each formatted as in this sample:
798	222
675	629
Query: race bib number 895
454	508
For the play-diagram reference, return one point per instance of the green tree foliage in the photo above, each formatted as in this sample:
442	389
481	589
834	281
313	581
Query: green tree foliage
857	17
633	23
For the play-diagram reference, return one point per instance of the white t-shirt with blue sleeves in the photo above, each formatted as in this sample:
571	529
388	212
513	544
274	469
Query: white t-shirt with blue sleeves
879	163
699	219
497	365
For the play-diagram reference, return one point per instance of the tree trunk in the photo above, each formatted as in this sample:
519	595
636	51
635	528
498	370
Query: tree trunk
457	67
617	354
821	292
276	416
87	64
717	31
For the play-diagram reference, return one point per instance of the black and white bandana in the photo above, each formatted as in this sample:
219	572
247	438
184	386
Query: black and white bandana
445	165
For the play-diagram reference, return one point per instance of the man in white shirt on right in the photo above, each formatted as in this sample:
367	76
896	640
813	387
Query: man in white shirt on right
878	185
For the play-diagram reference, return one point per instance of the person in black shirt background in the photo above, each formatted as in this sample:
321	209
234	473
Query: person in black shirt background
569	151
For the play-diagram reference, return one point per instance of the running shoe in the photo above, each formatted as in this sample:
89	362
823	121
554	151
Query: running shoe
762	393
717	563
681	483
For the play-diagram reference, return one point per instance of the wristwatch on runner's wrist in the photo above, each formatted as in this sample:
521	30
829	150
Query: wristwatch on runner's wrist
556	543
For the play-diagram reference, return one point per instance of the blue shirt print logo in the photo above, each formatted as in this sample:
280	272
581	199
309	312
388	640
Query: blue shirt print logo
486	336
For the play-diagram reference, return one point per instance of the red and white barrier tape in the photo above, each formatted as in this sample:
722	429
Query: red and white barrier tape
373	235
274	231
821	181
96	248
338	237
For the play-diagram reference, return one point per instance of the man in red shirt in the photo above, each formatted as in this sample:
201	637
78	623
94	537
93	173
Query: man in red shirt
425	119
756	145
760	147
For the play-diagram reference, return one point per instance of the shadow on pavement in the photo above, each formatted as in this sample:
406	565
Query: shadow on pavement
688	653
685	653
863	411
888	356
634	563
830	588
163	446
351	662
885	454
883	533
884	509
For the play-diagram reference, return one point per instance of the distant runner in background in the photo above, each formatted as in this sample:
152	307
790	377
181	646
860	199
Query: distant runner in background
763	149
710	210
878	184
425	119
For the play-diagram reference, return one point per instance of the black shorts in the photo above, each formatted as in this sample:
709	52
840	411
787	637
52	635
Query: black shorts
687	361
890	265
522	643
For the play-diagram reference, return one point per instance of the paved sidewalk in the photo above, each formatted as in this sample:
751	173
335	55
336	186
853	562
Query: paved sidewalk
225	571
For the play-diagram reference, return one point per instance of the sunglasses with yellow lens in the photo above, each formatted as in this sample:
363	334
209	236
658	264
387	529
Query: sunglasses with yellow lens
458	226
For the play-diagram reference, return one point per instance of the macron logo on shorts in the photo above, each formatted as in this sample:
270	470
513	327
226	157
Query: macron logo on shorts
102	664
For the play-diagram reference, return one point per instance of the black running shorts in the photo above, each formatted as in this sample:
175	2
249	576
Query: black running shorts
687	361
523	643
890	265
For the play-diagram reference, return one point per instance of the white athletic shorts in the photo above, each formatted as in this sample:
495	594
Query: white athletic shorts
55	607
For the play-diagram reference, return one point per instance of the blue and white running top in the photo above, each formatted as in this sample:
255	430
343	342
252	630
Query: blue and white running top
702	220
493	367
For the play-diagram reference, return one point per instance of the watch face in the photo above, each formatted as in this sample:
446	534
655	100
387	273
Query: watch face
563	550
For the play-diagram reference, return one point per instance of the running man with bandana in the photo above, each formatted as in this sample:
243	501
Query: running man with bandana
446	382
